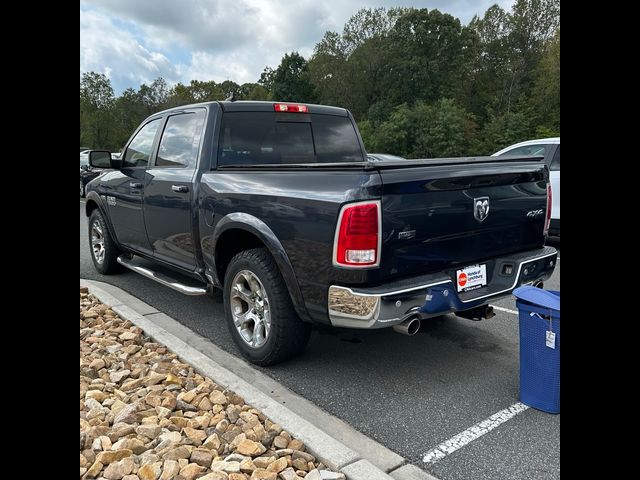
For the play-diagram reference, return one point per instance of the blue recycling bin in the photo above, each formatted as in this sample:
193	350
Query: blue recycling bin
539	314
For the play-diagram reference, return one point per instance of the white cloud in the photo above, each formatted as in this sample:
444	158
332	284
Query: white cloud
139	40
218	67
107	49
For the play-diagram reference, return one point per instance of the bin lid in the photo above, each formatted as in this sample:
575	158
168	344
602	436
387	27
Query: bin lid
538	296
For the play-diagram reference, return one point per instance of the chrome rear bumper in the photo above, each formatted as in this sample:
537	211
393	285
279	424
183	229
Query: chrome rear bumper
432	295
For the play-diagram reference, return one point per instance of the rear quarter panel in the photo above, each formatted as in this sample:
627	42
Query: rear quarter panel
300	207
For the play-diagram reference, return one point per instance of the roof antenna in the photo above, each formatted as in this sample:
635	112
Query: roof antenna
231	97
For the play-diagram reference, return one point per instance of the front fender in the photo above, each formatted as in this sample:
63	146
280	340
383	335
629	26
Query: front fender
251	224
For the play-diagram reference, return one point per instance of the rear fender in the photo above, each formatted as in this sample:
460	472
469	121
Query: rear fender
261	230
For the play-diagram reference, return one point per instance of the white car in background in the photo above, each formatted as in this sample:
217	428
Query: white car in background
550	149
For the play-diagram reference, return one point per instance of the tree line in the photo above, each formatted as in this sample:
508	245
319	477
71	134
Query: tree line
418	82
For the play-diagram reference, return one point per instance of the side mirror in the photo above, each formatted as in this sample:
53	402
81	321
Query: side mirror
100	159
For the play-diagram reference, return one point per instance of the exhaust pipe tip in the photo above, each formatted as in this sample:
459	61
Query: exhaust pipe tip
539	284
409	327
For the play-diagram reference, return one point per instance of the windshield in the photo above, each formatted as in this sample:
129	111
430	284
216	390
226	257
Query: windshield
84	160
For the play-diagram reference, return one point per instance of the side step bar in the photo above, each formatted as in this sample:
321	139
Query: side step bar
160	277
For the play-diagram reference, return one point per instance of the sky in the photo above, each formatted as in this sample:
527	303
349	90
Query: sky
137	41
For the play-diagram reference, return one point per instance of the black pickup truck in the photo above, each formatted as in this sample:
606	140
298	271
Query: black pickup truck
278	205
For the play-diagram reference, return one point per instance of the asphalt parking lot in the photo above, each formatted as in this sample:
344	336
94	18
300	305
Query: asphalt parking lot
411	394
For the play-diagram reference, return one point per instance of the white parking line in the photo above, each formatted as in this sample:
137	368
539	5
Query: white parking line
470	434
508	310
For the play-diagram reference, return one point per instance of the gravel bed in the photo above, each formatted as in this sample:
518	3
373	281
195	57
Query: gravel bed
145	415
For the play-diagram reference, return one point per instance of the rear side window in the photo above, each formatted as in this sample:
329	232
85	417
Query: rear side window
555	164
336	139
268	138
180	140
139	150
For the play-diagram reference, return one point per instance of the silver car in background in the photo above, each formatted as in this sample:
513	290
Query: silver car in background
550	149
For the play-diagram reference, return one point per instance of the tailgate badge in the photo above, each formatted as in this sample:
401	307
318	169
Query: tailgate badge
480	208
406	234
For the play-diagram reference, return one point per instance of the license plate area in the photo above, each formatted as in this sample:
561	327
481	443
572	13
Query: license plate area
471	278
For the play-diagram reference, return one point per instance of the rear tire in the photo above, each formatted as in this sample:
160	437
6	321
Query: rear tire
104	251
255	296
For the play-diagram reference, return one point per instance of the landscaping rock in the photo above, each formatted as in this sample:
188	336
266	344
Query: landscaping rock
117	470
150	471
113	456
202	456
191	471
146	415
251	448
261	474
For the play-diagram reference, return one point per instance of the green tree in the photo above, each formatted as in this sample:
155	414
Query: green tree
254	91
228	87
199	91
154	96
397	134
291	80
504	130
96	111
266	78
328	71
431	54
545	96
349	69
129	112
512	45
443	129
491	66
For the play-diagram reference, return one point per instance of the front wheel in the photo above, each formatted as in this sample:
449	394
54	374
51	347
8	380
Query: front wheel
258	310
104	251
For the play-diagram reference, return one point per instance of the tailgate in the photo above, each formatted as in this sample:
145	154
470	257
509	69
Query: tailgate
438	217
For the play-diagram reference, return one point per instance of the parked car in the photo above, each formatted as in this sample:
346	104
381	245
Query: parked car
278	205
550	149
83	149
87	172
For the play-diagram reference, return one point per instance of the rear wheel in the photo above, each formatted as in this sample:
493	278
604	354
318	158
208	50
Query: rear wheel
104	251
259	312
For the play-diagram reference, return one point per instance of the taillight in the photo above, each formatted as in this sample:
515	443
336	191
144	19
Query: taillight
290	107
357	242
547	220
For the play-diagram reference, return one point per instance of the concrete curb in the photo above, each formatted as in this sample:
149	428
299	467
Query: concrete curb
365	459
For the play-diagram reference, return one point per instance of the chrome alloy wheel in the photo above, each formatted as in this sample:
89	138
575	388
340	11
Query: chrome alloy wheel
97	242
250	309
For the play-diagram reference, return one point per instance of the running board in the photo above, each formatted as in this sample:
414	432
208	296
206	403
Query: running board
161	277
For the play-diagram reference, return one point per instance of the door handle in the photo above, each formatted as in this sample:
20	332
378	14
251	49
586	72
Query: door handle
135	185
180	188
